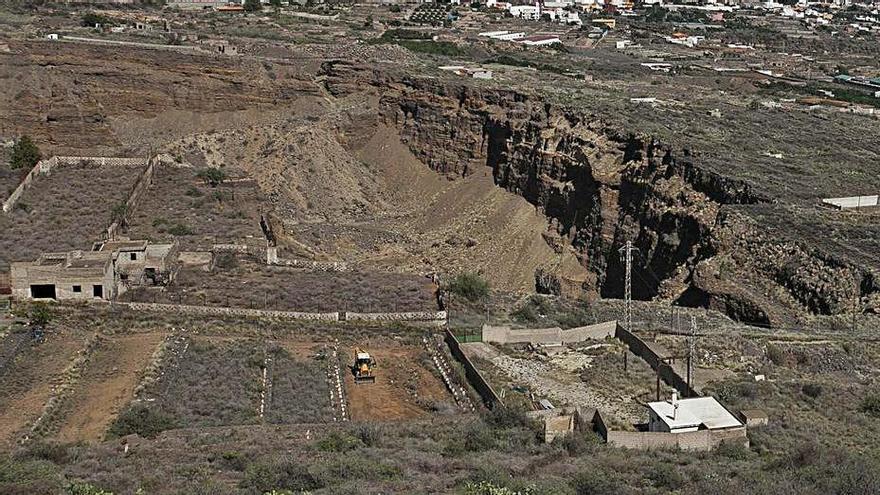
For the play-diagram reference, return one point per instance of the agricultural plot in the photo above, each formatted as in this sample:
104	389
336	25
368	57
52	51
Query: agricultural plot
215	383
299	390
180	205
75	200
107	385
245	284
29	380
405	387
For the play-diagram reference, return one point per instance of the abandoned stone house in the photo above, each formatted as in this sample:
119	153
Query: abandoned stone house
103	273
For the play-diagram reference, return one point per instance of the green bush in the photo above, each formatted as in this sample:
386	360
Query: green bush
25	154
141	420
444	48
469	285
82	488
478	438
89	19
282	474
370	434
212	176
813	390
508	417
180	229
871	405
338	442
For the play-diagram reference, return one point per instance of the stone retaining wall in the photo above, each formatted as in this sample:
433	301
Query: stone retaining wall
435	317
432	317
221	311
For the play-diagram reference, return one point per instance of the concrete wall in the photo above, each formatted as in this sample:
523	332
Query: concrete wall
552	335
702	440
853	201
474	377
667	373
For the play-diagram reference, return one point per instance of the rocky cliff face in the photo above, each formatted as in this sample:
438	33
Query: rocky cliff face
600	186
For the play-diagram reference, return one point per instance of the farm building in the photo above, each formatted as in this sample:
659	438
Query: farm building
103	273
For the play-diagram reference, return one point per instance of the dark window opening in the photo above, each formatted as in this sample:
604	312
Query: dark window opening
77	288
98	291
123	276
43	291
134	256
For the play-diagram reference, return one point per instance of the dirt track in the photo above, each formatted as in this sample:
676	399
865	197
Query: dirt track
28	384
106	386
404	389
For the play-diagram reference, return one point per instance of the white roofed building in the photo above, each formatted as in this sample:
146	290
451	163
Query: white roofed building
684	415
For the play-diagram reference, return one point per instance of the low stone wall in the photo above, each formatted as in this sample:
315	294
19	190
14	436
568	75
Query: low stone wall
27	181
436	317
140	187
322	266
221	311
46	166
702	440
433	317
553	335
474	377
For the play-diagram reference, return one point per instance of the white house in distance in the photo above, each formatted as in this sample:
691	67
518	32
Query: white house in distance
540	40
685	415
529	12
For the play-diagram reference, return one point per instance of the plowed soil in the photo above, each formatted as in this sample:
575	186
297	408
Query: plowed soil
28	384
107	385
404	388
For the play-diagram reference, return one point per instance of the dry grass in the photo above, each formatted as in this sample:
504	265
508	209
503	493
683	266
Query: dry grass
252	285
217	383
229	213
68	209
300	393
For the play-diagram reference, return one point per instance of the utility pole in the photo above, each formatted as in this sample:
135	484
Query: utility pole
855	310
626	253
692	346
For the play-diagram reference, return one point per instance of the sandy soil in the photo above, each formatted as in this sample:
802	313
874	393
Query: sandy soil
404	389
107	385
28	384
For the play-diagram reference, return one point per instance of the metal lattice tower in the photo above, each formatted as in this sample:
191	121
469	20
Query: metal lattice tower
626	253
692	347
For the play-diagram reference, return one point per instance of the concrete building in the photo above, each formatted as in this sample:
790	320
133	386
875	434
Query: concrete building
687	415
530	12
103	273
540	40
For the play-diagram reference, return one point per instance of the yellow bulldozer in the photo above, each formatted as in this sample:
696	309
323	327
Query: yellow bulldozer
363	368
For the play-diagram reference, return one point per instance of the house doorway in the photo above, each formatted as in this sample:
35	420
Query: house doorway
43	291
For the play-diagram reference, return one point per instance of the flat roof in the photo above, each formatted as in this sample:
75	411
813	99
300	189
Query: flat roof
703	410
124	245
